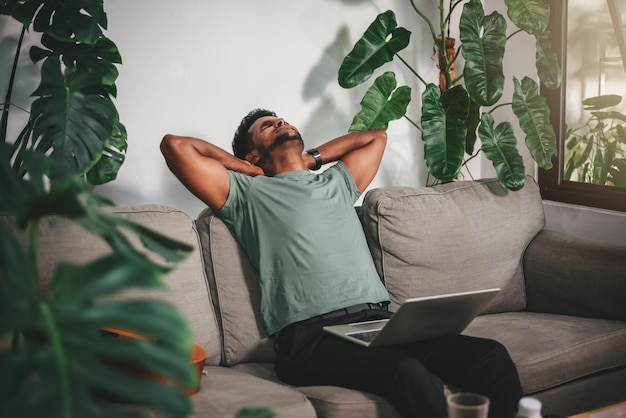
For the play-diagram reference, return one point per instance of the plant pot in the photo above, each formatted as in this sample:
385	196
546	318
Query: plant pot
197	358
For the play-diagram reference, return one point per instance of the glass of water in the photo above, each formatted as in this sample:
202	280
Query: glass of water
467	405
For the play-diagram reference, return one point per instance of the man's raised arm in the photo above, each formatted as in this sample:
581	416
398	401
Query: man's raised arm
361	152
202	167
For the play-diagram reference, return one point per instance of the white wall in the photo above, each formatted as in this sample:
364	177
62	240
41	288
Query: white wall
195	67
198	67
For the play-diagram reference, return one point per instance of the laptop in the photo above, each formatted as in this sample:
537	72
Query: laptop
418	319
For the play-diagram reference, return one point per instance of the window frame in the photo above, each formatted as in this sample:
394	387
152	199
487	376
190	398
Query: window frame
551	182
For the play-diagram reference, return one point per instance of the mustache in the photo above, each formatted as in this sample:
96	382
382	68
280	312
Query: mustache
283	138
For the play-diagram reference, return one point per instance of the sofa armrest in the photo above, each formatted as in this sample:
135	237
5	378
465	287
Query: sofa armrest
575	276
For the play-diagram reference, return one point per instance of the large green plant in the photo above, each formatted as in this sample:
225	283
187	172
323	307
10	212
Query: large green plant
595	152
73	116
52	348
451	118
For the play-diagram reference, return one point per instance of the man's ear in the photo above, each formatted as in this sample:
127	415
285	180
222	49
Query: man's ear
253	157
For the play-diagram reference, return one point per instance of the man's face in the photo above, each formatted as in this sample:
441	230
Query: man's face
269	133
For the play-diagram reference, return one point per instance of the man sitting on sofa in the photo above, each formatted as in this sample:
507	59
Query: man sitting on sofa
301	232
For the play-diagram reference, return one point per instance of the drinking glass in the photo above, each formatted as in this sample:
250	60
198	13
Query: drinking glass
467	405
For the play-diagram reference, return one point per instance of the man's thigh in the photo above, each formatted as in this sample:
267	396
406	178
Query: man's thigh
456	358
309	356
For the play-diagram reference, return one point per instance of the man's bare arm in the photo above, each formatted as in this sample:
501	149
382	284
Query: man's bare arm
202	167
361	152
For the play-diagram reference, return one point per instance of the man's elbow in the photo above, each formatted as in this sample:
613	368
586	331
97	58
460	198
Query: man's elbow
380	135
169	144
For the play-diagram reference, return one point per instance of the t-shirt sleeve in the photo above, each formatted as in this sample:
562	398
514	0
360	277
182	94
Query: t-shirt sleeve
342	171
239	186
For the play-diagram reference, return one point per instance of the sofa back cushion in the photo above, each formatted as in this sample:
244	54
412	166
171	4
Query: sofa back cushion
454	237
63	240
236	293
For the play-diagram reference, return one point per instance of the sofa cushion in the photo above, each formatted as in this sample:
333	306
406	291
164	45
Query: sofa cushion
337	402
237	295
224	391
452	237
330	401
63	239
550	350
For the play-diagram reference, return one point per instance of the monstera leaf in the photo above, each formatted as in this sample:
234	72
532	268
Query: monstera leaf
98	58
444	130
113	157
63	339
72	116
534	118
250	412
78	20
381	104
65	343
529	15
378	45
483	38
500	147
8	7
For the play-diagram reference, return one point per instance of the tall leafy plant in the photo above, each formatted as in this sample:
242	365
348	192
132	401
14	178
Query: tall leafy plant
72	117
451	119
55	359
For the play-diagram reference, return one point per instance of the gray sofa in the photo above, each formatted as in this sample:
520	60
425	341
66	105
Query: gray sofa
561	312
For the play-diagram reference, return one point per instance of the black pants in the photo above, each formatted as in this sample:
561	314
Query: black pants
409	376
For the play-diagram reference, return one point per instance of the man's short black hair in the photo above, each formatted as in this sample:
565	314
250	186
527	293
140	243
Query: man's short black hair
242	143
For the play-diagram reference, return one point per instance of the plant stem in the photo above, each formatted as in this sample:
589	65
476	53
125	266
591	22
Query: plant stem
472	157
411	69
500	105
59	355
443	50
428	22
7	99
514	33
419	128
453	6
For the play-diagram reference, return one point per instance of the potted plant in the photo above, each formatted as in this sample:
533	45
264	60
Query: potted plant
451	118
595	152
52	346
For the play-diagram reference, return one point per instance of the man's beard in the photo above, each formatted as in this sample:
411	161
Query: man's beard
284	138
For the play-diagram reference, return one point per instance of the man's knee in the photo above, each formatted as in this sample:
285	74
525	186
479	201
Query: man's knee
410	372
499	352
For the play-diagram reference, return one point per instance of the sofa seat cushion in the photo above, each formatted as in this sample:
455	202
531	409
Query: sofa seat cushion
224	391
337	402
263	370
454	237
550	350
330	401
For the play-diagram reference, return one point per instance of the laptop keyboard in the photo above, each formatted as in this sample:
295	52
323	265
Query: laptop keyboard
366	336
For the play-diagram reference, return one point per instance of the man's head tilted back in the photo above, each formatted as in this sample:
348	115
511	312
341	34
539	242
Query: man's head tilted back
242	142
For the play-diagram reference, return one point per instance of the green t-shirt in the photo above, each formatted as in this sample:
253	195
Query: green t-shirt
301	233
